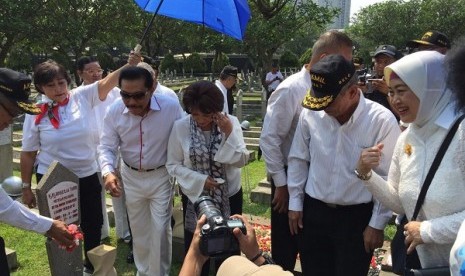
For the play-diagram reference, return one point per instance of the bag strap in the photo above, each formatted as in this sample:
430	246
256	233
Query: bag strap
434	167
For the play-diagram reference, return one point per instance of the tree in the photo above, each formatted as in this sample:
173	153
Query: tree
395	22
16	19
288	59
265	35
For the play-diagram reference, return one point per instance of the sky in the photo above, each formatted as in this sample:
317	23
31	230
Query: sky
356	5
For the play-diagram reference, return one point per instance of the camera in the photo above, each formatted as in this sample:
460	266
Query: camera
216	237
364	78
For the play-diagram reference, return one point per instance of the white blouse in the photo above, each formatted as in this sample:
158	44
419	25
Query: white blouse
232	153
72	144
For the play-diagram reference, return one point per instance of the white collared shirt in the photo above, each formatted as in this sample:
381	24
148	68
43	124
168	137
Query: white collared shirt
324	155
282	115
272	77
142	141
163	90
225	95
72	144
15	214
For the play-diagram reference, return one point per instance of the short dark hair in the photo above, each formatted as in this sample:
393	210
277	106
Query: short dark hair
455	64
83	61
47	71
203	95
136	73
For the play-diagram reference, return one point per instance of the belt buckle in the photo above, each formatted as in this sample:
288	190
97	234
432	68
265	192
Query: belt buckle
141	170
332	205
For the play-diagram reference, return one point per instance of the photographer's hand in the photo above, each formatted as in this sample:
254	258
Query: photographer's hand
248	242
194	259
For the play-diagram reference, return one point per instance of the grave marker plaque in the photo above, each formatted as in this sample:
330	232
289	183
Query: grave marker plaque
58	198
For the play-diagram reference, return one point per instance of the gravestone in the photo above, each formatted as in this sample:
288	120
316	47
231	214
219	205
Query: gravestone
58	198
6	152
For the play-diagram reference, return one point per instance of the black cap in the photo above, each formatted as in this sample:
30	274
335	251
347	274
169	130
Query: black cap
388	50
329	76
433	38
16	87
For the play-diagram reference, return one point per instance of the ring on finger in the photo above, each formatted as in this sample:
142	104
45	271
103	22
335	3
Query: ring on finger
405	233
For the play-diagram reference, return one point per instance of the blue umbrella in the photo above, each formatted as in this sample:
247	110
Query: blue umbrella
229	17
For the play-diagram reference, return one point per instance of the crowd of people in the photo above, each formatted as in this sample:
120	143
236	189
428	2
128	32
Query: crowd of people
342	153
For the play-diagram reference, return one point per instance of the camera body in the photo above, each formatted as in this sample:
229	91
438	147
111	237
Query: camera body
364	78
216	237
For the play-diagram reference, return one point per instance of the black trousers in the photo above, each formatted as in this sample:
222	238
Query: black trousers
91	212
4	269
284	246
333	239
235	204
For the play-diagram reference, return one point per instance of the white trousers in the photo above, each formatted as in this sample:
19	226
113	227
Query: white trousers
121	216
148	201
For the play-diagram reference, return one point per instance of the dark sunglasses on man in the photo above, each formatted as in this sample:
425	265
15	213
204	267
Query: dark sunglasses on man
136	96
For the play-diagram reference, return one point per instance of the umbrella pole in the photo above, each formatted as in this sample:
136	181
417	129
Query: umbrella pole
139	46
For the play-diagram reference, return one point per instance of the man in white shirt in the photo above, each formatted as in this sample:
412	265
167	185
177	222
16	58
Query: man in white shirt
139	126
228	78
89	70
273	79
14	100
339	220
284	107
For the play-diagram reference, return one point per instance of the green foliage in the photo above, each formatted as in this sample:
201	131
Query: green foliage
288	59
396	22
168	63
305	57
266	33
219	62
195	63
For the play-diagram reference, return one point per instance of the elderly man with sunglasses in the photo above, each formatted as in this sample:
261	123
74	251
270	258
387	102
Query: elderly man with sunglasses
139	126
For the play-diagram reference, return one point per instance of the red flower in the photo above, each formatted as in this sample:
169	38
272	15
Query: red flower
74	230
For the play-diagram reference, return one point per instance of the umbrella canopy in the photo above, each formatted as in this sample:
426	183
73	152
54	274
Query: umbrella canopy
229	17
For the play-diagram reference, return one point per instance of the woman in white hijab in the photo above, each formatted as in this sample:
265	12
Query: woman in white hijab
419	94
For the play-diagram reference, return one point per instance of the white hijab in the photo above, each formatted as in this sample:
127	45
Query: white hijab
425	75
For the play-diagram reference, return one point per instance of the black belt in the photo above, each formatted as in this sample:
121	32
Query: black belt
337	206
142	170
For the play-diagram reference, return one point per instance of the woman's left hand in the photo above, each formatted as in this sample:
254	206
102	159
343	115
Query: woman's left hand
223	122
412	235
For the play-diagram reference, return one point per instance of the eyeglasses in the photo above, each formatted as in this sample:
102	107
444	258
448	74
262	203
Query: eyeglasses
136	96
93	71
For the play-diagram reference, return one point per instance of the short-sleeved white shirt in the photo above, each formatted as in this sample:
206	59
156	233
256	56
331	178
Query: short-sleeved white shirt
72	144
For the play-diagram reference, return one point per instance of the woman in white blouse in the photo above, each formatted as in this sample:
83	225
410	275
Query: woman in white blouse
61	132
419	94
206	149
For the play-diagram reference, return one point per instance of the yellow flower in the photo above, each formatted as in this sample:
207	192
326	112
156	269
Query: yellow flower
408	149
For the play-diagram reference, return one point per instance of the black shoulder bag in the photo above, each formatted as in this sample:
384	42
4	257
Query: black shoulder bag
436	271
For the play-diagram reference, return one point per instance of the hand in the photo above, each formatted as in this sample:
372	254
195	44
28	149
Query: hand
412	235
134	58
248	242
59	232
372	238
210	184
280	200
380	85
369	158
112	185
224	123
28	198
194	259
295	221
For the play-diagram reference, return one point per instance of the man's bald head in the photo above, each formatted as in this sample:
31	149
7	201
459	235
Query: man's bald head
332	42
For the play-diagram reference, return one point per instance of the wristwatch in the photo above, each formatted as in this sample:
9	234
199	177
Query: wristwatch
268	259
361	176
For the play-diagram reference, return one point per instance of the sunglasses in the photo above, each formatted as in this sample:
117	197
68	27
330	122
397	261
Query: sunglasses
136	96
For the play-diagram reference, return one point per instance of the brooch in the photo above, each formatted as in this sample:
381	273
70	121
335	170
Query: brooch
408	149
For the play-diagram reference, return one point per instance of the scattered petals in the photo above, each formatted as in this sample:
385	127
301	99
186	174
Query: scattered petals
74	230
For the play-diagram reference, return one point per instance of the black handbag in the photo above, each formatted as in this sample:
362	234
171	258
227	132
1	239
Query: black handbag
400	259
437	271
